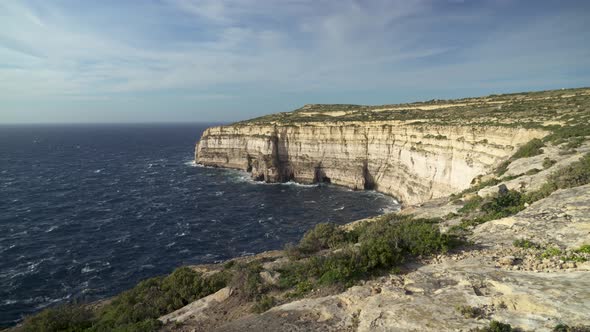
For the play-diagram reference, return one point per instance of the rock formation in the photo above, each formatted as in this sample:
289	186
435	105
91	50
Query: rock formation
412	162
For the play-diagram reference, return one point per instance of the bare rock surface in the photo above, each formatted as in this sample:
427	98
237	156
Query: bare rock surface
562	219
532	182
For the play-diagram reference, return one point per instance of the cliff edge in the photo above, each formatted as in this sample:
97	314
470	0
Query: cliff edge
414	152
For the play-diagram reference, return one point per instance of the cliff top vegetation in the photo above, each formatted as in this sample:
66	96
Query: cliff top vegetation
543	109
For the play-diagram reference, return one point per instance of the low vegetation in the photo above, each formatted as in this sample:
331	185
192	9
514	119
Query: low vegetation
470	312
530	149
134	310
496	326
478	210
526	244
384	245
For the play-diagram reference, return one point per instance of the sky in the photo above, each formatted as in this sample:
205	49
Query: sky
115	61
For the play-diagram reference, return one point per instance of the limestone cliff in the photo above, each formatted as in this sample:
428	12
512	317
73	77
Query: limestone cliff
412	162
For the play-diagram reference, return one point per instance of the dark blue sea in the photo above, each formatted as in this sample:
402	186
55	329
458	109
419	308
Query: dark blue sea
87	211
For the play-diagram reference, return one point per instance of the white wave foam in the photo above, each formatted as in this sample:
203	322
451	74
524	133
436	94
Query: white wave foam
339	209
87	269
51	229
8	302
191	163
219	193
97	171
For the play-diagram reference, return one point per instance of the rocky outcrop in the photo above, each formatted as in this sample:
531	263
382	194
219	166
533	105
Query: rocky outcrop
411	161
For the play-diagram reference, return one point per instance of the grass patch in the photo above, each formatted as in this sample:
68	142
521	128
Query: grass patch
551	252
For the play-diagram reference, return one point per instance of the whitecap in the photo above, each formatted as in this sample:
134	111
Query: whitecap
97	171
219	193
191	163
8	302
51	229
169	245
87	269
339	209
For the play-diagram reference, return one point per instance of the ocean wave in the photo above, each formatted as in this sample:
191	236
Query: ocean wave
51	229
87	269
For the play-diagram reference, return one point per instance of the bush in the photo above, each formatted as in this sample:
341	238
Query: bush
247	281
61	318
503	205
526	244
322	236
530	149
470	312
573	175
585	249
496	326
551	252
566	328
385	244
134	310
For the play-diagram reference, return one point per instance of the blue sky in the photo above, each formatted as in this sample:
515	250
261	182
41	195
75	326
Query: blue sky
227	60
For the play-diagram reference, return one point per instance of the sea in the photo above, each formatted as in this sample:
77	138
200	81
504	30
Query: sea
87	211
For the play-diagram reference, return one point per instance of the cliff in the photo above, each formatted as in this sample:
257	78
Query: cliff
414	152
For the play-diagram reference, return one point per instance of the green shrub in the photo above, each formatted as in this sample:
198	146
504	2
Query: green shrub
567	328
573	175
496	326
385	244
322	236
470	312
61	318
530	149
551	252
585	249
526	244
247	281
134	310
503	205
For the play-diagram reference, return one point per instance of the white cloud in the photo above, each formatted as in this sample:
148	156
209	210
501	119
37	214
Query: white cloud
47	51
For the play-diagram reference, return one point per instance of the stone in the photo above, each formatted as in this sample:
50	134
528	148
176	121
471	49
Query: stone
507	260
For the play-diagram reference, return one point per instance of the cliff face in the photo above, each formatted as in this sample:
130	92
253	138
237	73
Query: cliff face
411	161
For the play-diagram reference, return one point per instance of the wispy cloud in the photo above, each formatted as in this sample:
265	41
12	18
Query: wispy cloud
212	51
